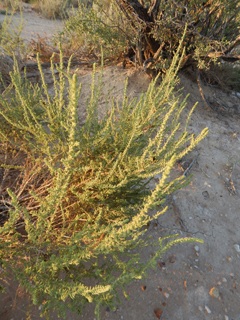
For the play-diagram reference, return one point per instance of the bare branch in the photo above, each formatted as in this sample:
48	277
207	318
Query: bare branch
233	45
153	10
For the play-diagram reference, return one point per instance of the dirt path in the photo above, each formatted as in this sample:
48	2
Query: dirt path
191	282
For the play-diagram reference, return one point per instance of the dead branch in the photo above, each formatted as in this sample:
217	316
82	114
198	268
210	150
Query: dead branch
190	166
178	214
232	45
228	184
200	88
154	8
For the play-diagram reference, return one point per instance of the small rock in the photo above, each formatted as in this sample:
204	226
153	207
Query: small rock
205	195
237	247
226	317
166	295
208	310
190	218
200	308
172	259
224	280
40	307
158	313
196	248
232	274
214	292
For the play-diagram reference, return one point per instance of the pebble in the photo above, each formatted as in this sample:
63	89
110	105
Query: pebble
237	247
224	280
200	308
226	317
214	292
232	274
196	248
40	307
166	295
190	218
208	310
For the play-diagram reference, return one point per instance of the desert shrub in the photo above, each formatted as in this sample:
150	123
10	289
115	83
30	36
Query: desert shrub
152	30
76	212
98	25
212	28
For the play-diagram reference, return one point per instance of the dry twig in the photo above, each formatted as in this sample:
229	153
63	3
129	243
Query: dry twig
178	214
228	184
190	166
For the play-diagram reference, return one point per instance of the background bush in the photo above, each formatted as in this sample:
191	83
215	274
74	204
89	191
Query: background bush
98	25
149	32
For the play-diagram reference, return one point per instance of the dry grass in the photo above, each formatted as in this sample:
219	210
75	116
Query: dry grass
47	49
52	9
22	176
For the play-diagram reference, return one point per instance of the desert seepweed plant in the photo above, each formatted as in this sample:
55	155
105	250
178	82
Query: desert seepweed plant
79	204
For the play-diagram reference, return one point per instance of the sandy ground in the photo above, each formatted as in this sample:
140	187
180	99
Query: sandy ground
192	281
35	24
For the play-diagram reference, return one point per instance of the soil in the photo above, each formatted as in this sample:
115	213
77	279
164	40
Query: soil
192	281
